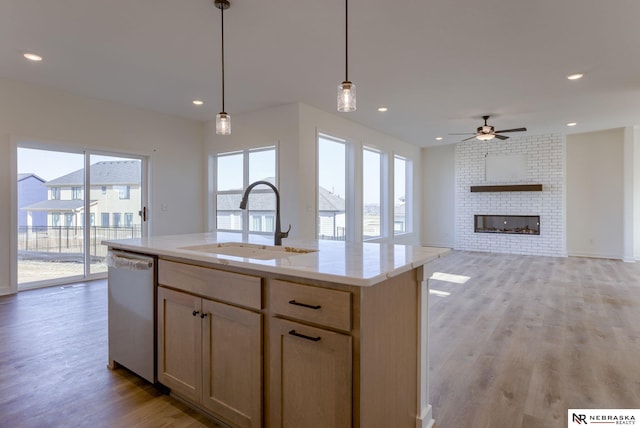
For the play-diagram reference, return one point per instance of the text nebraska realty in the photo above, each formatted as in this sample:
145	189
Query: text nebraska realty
611	419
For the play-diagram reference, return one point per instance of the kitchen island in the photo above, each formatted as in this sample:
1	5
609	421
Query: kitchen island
310	334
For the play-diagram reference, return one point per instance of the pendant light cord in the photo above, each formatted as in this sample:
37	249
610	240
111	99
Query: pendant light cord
346	40
222	26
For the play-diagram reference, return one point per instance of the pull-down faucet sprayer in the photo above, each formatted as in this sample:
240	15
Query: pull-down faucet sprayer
277	237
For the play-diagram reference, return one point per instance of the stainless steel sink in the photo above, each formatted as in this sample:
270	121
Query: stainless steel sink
249	251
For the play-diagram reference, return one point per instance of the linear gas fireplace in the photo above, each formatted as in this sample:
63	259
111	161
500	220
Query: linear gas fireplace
510	224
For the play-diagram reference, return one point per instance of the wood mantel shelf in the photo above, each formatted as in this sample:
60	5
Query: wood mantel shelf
508	188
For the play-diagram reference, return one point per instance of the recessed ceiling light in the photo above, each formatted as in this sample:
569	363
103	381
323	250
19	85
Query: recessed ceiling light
438	138
198	102
32	57
382	109
575	76
571	124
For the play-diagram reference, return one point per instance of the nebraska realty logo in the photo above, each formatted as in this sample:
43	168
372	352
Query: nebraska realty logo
582	417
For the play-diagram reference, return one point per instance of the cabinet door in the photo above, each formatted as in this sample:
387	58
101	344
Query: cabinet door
310	381
232	363
179	342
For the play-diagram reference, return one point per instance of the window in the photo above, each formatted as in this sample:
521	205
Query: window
55	193
76	193
332	184
124	192
55	219
128	219
401	191
104	219
68	219
92	219
103	190
117	219
372	207
234	172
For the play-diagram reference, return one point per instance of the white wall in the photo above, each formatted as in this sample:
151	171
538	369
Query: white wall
294	127
37	114
438	207
595	194
636	192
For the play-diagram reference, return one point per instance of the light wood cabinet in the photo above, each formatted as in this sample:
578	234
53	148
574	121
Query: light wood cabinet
232	363
210	353
254	348
311	380
179	343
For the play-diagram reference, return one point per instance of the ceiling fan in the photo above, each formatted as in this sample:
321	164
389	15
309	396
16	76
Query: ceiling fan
488	132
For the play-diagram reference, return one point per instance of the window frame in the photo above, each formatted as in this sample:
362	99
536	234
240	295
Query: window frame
245	229
408	196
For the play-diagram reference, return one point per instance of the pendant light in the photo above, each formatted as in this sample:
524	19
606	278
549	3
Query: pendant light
346	90
223	119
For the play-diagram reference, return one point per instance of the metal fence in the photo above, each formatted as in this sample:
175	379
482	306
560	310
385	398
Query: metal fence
35	240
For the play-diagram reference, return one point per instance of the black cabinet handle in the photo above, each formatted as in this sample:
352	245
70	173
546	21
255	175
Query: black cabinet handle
203	315
304	336
194	313
293	302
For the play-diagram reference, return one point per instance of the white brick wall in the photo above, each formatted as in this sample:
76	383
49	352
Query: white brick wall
545	165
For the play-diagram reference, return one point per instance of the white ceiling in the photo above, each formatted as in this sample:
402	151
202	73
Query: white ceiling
439	65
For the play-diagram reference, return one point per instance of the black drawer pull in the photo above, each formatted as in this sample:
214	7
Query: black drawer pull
293	302
194	313
304	336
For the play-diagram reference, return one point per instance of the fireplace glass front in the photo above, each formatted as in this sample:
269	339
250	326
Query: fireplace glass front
510	224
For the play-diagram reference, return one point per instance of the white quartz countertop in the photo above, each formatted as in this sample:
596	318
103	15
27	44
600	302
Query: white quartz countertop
359	264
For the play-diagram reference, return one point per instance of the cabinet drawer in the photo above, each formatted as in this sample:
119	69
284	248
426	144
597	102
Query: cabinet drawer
331	308
243	290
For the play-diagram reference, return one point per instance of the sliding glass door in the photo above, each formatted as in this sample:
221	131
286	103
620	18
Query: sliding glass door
57	242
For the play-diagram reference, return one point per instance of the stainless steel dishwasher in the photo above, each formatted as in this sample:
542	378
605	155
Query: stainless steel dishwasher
132	318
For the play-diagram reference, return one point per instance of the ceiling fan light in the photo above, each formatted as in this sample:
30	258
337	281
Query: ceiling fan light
223	123
485	137
346	96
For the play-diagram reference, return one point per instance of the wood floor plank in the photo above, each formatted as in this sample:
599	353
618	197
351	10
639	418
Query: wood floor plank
53	356
536	336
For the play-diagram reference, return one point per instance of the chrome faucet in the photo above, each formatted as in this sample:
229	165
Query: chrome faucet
277	238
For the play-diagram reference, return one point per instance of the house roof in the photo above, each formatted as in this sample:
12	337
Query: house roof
264	200
57	205
103	173
24	176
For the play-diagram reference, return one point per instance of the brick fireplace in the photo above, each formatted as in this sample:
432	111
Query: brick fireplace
542	163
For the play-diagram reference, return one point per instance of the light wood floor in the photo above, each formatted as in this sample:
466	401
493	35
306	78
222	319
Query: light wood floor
526	338
53	367
515	346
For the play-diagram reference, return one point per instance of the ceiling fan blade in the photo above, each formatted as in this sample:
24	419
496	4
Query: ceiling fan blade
470	138
501	137
511	130
464	133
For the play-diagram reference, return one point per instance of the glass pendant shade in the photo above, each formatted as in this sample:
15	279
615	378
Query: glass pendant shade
346	96
485	137
223	124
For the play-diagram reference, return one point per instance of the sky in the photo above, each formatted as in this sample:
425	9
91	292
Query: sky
49	164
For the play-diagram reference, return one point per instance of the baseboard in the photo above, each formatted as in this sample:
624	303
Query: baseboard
425	420
5	290
628	259
596	255
437	244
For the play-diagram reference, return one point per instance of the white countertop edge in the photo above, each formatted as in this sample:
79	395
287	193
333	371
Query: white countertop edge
256	265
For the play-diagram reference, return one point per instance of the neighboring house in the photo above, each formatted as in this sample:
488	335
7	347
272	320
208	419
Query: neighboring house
31	189
331	211
114	196
262	211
